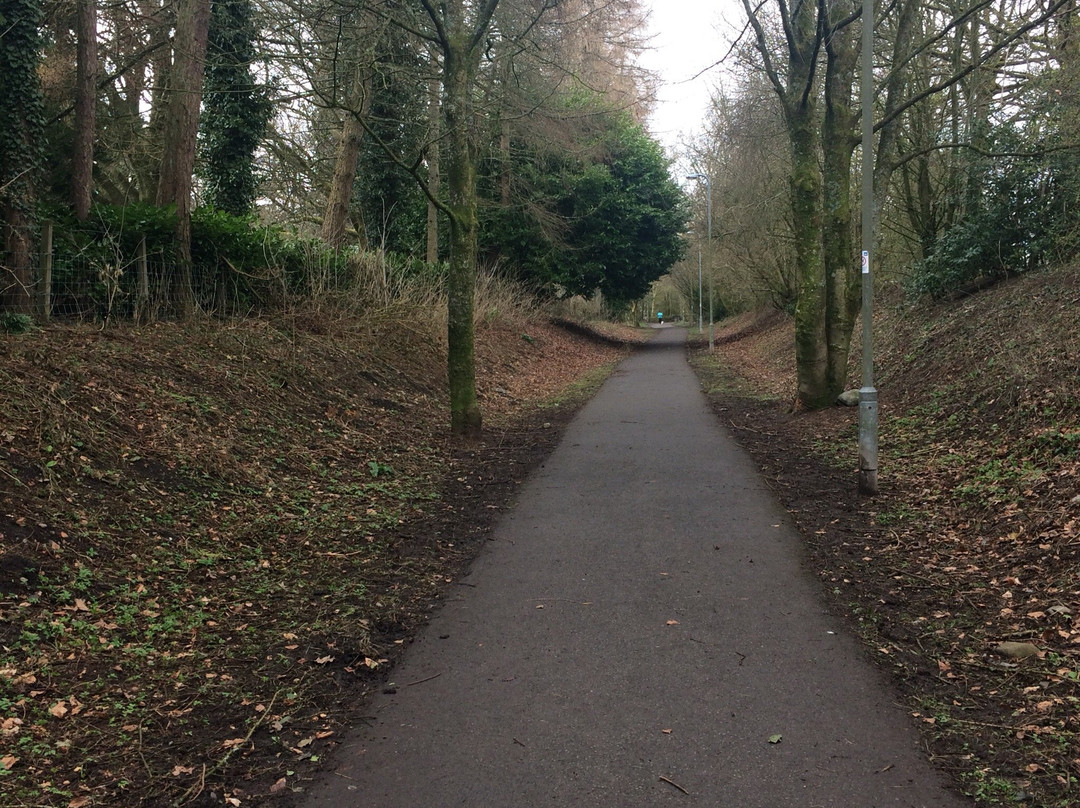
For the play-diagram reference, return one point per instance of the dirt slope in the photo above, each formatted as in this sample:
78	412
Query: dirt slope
214	539
975	538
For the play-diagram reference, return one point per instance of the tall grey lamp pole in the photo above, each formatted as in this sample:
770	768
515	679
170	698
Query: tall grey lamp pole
700	325
868	397
708	220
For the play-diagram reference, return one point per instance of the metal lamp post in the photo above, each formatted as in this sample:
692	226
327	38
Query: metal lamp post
708	225
700	325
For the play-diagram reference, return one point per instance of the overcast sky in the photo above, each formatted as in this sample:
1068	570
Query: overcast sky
688	37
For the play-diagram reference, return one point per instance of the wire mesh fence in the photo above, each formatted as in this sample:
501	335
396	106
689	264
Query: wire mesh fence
142	285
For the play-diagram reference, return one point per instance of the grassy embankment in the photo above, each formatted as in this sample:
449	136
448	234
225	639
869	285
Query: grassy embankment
214	538
975	539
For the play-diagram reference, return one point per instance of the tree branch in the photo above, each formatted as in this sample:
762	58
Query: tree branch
992	52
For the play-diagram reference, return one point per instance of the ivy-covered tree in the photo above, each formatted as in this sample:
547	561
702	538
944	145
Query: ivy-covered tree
236	110
21	127
388	201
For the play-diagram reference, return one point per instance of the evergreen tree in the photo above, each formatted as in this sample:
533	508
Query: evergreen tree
602	213
386	196
236	110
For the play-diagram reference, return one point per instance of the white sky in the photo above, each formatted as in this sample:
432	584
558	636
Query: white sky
688	37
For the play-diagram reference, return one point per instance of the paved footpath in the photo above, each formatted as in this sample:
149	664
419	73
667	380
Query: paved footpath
637	631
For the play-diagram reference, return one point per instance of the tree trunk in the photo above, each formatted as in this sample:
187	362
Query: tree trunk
461	28
433	168
811	353
504	158
16	283
161	17
340	194
20	148
86	73
465	416
903	41
842	278
181	133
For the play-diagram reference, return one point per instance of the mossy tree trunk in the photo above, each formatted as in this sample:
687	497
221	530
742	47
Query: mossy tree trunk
465	418
811	354
842	279
822	148
460	29
433	168
798	91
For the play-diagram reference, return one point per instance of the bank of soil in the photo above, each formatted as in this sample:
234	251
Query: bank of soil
963	575
215	539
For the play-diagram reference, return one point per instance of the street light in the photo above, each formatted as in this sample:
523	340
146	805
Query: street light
708	221
700	325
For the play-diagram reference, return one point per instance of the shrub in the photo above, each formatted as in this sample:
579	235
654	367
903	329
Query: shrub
1023	218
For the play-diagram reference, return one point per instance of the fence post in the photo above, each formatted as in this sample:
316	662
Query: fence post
142	295
45	263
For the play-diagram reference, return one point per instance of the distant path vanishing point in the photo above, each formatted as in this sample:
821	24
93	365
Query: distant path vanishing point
640	631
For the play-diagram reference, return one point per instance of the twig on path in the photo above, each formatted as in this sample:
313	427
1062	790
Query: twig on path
421	681
675	785
748	429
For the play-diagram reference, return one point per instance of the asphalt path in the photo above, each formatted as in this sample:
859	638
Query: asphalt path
641	631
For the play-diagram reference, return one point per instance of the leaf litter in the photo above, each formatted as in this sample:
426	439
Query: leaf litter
963	575
216	538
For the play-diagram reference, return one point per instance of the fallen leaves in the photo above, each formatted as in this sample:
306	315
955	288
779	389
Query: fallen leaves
62	708
236	530
974	542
